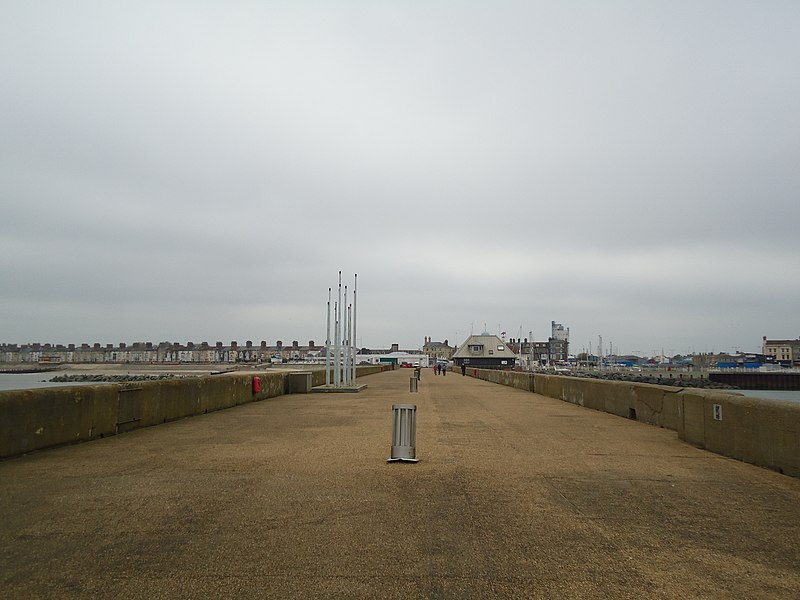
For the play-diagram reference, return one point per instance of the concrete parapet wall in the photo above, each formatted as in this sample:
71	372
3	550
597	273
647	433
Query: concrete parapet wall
755	430
515	379
758	431
45	417
40	418
652	404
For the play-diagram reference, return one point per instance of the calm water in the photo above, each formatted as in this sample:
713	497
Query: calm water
772	394
27	381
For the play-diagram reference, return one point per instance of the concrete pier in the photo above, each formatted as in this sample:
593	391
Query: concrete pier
516	495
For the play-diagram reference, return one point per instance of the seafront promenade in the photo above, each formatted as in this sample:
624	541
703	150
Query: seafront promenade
516	496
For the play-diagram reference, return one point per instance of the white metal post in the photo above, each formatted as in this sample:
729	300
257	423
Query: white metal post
328	362
343	345
335	343
599	352
338	336
353	345
349	344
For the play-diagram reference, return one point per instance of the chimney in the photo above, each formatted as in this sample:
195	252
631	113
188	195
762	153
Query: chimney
71	346
189	345
445	343
295	344
249	344
234	345
279	344
263	344
395	348
219	344
311	344
148	345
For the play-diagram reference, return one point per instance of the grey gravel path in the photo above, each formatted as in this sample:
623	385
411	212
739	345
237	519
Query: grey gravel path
516	496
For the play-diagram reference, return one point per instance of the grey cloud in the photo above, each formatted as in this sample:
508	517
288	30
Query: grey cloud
624	169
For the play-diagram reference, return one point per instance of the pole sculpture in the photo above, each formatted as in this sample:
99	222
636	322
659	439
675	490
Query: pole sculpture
340	361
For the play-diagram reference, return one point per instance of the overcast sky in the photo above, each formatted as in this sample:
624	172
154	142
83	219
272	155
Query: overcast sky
200	171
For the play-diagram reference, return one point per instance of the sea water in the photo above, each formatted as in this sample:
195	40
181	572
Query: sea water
27	381
793	395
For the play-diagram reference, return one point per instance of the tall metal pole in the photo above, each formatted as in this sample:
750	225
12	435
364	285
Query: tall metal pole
336	333
343	374
345	311
354	338
530	351
328	363
339	336
345	344
336	343
600	352
350	360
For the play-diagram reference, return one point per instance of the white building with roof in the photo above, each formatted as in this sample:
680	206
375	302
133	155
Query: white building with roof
485	351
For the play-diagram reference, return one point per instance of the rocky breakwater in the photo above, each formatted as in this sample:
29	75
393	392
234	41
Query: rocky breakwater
23	370
684	382
112	378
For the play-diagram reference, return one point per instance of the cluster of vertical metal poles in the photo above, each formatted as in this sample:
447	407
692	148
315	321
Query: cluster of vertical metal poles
340	363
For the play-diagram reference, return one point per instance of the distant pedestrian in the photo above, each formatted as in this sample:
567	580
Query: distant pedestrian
444	368
463	369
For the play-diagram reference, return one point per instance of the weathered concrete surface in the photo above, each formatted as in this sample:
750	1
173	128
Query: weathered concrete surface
517	496
42	418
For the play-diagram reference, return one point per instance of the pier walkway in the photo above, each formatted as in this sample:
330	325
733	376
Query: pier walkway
516	496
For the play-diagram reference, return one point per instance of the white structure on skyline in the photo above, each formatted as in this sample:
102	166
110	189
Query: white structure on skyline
559	332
